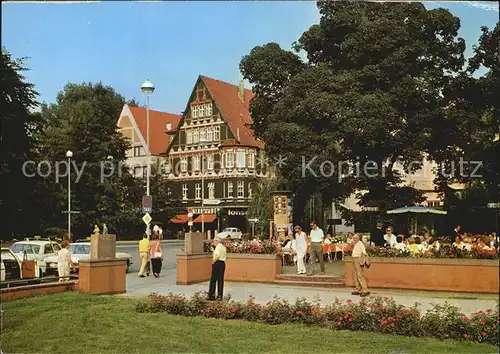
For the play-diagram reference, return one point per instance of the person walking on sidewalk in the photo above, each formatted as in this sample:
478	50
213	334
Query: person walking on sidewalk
156	255
301	244
64	262
144	253
317	237
358	267
218	269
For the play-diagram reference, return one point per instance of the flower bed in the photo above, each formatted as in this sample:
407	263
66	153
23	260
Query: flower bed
250	247
443	252
374	315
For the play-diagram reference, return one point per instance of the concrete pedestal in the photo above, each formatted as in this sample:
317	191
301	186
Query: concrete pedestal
102	276
193	243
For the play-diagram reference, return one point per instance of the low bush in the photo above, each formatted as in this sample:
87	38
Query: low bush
369	314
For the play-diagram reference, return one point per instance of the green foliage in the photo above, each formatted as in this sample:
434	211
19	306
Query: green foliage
370	91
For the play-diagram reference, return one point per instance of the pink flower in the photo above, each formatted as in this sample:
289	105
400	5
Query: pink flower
348	301
466	335
350	319
484	334
494	325
483	323
299	313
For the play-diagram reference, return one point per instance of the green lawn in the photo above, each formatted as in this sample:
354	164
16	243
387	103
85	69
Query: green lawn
76	323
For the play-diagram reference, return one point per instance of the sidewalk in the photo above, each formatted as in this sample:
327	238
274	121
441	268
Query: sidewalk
264	292
134	242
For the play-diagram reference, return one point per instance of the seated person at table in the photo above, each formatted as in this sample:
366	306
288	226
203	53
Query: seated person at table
427	239
389	237
291	247
413	247
401	243
483	243
458	242
467	244
327	240
366	241
434	244
349	238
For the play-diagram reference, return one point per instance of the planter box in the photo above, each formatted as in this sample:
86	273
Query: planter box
197	268
101	277
36	290
459	275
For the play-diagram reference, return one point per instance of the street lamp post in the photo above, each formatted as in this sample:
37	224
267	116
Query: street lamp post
147	88
69	155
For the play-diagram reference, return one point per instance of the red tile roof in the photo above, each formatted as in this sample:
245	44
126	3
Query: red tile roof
159	139
235	111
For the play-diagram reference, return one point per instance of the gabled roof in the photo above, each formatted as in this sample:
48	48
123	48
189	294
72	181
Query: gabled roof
235	111
158	137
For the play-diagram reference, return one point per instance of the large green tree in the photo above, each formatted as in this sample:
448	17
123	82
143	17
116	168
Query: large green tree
368	94
18	99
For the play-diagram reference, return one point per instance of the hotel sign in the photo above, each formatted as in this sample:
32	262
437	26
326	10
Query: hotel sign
204	211
237	212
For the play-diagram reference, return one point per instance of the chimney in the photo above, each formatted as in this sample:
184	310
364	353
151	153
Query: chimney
241	91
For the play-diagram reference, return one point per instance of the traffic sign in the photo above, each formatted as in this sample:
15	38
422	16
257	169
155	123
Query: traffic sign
212	201
494	205
147	204
253	220
147	218
190	223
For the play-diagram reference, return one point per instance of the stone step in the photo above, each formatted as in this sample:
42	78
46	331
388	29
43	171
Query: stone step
308	279
310	284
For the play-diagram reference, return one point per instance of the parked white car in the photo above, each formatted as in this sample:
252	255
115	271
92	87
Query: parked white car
81	251
37	250
232	232
10	265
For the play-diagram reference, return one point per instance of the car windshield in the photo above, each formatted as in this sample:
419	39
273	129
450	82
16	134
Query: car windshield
21	247
227	230
79	249
7	255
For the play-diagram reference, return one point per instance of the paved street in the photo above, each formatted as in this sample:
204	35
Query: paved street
171	248
137	286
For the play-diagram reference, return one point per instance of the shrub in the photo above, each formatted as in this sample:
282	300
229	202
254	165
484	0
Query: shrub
374	314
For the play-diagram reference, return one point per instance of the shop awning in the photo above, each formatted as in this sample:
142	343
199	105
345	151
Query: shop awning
205	218
180	219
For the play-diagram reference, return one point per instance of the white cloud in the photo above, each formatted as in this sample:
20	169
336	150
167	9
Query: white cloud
488	6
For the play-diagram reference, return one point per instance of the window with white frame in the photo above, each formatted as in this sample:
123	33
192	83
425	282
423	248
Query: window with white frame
229	160
197	191
216	133
194	111
184	164
201	110
189	136
203	135
196	136
240	159
208	109
211	190
249	189
229	189
241	189
184	191
210	162
251	159
196	163
210	134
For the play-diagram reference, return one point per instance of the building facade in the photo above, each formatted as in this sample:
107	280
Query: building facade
215	158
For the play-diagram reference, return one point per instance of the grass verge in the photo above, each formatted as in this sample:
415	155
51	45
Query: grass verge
73	323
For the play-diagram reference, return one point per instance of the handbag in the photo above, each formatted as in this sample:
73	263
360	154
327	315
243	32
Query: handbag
157	254
365	261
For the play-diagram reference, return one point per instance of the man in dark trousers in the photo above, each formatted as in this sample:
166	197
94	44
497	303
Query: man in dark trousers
218	269
377	235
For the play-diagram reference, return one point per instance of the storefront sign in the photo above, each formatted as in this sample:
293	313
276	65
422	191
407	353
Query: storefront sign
237	212
204	211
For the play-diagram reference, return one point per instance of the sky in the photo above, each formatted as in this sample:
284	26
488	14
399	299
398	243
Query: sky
170	43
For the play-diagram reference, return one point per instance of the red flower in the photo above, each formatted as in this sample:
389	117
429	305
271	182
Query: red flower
350	319
383	323
268	315
488	310
483	323
466	335
338	323
484	334
494	325
346	316
348	301
299	313
393	325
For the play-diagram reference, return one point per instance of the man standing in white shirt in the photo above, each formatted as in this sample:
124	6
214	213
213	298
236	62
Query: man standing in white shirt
301	245
358	269
317	237
390	238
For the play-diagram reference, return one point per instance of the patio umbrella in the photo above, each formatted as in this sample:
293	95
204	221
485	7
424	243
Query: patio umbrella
416	210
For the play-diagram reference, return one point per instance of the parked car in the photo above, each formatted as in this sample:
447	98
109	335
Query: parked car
37	250
232	232
81	251
10	265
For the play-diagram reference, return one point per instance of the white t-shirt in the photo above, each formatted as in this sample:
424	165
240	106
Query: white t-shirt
327	241
300	242
391	240
317	235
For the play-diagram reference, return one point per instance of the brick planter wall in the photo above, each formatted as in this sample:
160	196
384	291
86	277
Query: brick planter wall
196	268
36	290
460	275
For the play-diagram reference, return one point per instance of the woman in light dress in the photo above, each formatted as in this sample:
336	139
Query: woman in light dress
64	262
301	249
